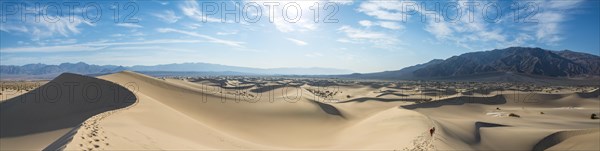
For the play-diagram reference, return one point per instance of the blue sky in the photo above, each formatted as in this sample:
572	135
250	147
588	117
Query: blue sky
363	36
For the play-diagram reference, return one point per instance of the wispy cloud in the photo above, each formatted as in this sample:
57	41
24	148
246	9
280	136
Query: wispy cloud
293	22
377	39
549	27
385	10
469	33
63	26
227	33
92	46
297	42
192	10
355	33
209	38
384	24
129	25
167	16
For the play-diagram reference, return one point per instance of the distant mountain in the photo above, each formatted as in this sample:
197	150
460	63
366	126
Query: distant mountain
590	62
519	60
43	69
535	61
33	71
404	73
207	67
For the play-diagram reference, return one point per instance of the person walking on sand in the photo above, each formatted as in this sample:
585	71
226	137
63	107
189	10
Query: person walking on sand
431	131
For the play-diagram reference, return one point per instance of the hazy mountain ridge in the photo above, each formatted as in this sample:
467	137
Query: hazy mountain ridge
535	61
591	62
43	69
505	63
404	73
49	71
208	67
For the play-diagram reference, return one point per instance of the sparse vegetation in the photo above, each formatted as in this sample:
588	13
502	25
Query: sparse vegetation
323	94
20	85
514	115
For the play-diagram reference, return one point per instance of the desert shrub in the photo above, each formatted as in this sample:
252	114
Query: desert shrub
514	115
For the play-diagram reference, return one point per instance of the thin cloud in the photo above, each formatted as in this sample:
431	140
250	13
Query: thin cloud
384	10
62	26
377	39
297	42
305	22
92	46
129	25
227	33
383	24
209	38
192	10
167	16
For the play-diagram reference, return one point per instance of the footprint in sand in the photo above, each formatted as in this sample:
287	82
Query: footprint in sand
422	143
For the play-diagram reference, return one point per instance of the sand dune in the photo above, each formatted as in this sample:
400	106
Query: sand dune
471	123
38	118
175	114
570	140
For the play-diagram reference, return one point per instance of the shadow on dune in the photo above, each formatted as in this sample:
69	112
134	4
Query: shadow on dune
558	137
61	143
479	125
363	99
593	94
495	100
236	87
64	102
263	89
329	109
391	93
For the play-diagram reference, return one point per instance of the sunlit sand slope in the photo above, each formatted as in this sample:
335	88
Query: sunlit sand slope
175	114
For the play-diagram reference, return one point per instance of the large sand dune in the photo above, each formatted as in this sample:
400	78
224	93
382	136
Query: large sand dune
40	117
173	114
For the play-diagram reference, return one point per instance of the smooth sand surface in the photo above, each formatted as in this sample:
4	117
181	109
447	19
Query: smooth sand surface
175	114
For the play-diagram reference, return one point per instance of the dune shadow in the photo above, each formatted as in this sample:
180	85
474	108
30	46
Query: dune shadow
391	93
263	89
65	102
495	100
593	94
363	99
558	137
61	143
479	125
329	109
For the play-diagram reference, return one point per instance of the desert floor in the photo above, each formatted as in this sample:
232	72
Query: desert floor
128	110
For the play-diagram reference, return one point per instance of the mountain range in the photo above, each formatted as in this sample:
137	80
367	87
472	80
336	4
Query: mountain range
43	71
512	60
501	63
